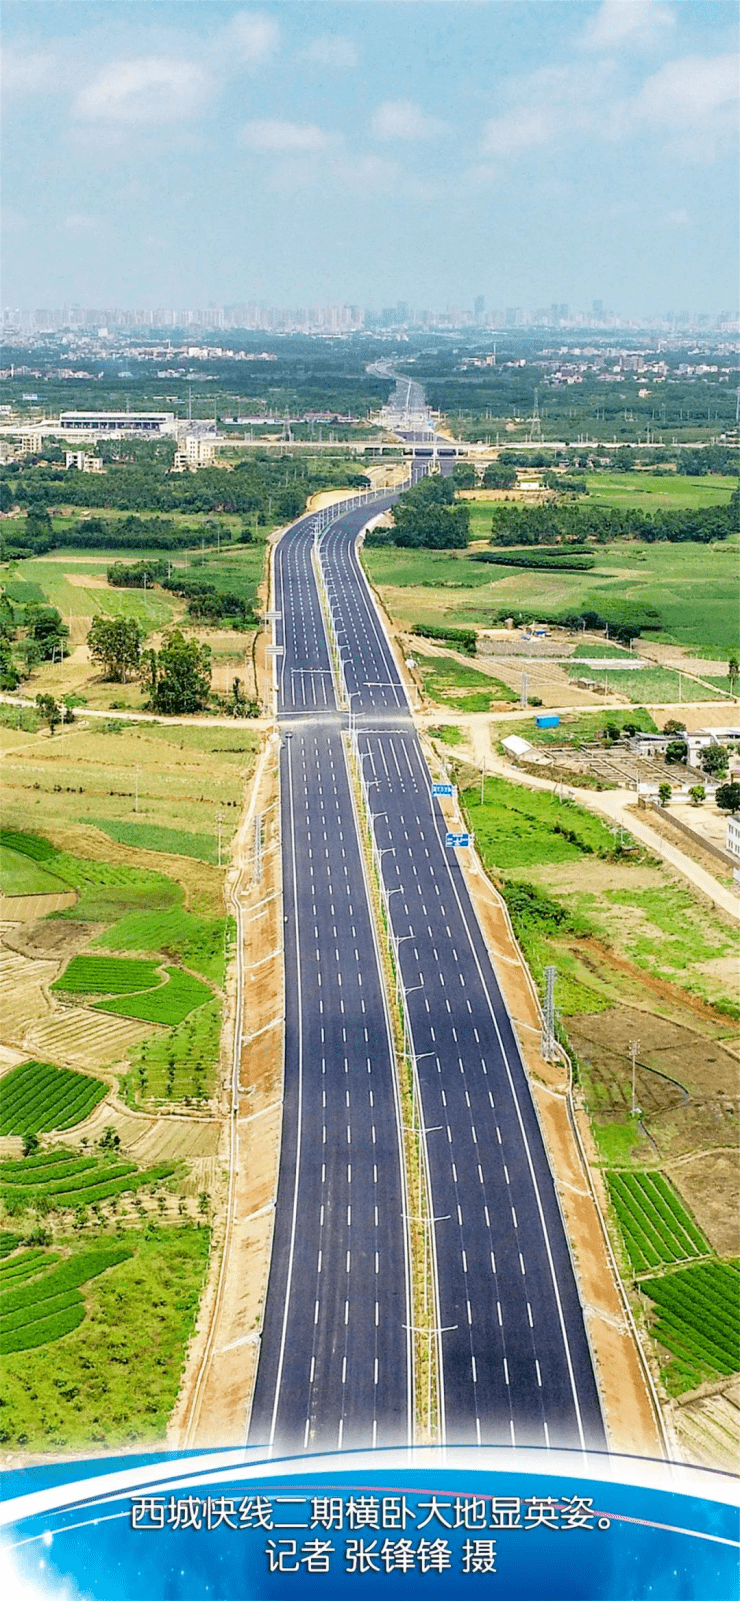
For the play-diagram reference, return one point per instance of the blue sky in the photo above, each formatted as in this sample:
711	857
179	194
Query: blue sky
371	150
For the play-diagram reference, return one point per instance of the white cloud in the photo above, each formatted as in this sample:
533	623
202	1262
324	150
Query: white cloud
403	119
331	50
286	138
249	37
692	91
79	222
521	129
627	24
27	73
148	89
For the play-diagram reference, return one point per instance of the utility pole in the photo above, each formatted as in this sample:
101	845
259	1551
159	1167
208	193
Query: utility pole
483	781
220	823
524	690
548	1016
634	1048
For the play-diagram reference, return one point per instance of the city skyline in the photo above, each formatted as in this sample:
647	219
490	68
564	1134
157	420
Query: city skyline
304	155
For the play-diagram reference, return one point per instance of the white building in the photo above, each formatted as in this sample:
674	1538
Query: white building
118	423
83	460
196	450
732	840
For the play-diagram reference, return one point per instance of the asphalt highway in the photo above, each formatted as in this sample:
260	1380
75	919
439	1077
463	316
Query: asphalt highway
515	1357
334	1365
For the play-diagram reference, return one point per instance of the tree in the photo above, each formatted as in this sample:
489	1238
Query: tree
673	727
49	710
46	629
728	796
179	676
30	1144
499	475
697	794
9	676
676	751
664	793
116	643
733	673
109	1140
715	760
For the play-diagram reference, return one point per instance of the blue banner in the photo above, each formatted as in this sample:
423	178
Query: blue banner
232	1525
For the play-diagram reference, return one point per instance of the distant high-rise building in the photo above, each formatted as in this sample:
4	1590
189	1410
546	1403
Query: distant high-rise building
598	309
513	316
479	307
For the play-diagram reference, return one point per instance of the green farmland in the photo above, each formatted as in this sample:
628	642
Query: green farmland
62	1179
697	1320
107	975
141	1297
47	1304
692	588
36	1097
21	875
168	1004
462	688
656	1228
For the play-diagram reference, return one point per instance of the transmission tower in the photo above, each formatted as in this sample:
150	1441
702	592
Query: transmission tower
548	1016
287	434
535	426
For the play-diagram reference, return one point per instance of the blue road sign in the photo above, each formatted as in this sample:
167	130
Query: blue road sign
442	789
457	839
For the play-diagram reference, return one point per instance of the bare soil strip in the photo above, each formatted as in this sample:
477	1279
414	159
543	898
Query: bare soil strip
215	1398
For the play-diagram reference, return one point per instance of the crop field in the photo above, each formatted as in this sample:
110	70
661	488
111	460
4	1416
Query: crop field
21	875
142	1312
167	1005
171	841
691	587
178	1066
697	1319
656	1228
62	1179
107	975
86	777
656	685
449	682
203	943
643	491
60	581
36	1097
48	1304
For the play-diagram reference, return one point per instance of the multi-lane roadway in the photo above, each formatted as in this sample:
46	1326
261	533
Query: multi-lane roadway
515	1365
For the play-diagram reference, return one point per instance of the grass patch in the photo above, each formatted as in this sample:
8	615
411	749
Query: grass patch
448	733
697	1319
21	875
63	1179
674	934
36	1097
114	1380
447	680
621	1142
107	975
108	890
180	1066
656	1228
171	841
517	827
203	943
577	728
168	1005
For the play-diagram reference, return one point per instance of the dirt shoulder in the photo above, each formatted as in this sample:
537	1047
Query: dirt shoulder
631	1411
216	1393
